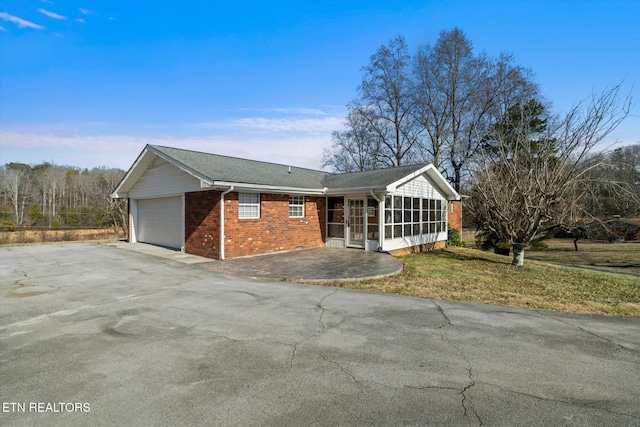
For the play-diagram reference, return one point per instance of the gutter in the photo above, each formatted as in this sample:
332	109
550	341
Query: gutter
340	191
269	188
222	221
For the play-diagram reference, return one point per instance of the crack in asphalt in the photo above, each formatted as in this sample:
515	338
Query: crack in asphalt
345	371
323	309
472	380
566	402
446	318
618	346
293	352
315	334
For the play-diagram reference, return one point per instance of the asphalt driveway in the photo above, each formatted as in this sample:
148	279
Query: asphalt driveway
98	335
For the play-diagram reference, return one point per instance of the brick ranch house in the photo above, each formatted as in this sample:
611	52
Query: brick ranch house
224	207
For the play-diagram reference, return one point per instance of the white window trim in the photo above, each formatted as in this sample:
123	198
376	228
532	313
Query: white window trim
296	204
241	204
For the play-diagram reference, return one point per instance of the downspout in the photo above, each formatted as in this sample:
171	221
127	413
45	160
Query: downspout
380	220
325	238
222	221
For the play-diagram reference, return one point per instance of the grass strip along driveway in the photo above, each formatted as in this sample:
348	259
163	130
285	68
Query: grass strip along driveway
462	274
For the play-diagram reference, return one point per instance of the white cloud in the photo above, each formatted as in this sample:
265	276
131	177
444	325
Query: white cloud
80	20
89	150
291	136
304	121
287	124
85	11
21	23
51	14
3	29
298	111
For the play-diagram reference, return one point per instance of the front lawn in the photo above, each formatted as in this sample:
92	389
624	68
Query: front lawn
463	274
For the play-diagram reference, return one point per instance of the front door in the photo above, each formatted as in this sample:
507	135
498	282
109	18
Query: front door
355	223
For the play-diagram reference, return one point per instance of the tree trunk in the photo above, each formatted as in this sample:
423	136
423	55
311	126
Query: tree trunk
575	244
518	254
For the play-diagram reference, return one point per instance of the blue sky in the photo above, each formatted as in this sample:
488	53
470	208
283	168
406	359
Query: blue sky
89	83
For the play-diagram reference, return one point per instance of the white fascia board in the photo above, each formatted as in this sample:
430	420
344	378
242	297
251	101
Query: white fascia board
340	191
432	172
133	174
205	181
443	185
261	188
142	163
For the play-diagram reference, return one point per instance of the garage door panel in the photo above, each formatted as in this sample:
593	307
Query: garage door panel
160	221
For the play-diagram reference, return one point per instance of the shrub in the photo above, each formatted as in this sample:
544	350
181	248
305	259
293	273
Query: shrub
37	217
69	235
7	225
454	238
5	222
538	245
487	240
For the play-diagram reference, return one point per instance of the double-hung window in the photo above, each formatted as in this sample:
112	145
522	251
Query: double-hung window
296	206
248	205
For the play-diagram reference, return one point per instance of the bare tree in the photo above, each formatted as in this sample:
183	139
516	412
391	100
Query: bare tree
521	189
432	109
385	95
616	189
357	148
16	186
458	95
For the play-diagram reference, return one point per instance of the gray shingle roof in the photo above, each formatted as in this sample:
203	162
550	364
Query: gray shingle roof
218	168
377	178
232	169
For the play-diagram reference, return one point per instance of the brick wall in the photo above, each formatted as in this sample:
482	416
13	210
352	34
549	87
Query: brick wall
202	223
274	231
455	218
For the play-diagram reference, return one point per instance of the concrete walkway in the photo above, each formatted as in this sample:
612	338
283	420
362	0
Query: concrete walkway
311	265
161	252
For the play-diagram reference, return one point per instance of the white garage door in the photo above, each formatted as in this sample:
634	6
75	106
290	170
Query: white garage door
160	221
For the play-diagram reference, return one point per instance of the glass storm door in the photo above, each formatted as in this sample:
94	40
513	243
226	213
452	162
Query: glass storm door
355	223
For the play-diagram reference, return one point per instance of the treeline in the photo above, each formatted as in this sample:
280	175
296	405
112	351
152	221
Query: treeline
615	184
53	196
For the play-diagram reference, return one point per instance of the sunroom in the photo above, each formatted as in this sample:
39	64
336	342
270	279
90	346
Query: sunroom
410	211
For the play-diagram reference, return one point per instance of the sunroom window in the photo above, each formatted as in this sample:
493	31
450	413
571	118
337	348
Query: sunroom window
412	216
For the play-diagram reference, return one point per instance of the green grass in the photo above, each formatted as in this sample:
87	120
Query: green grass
463	274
